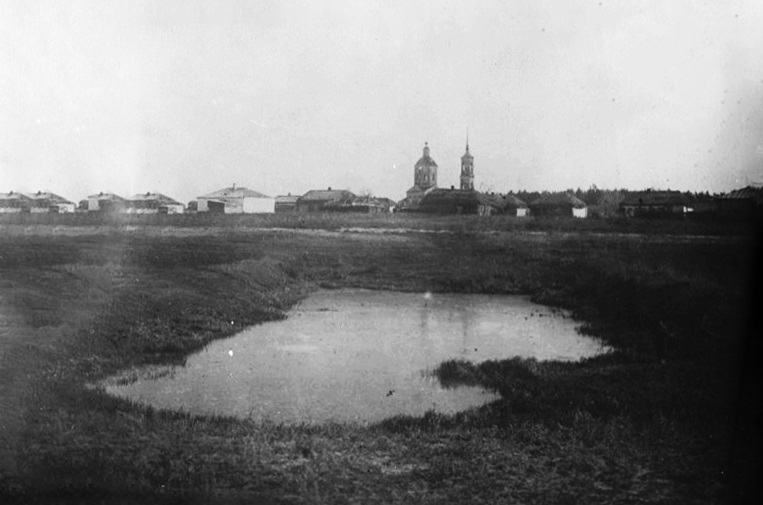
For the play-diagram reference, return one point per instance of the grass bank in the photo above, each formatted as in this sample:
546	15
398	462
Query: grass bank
661	420
403	221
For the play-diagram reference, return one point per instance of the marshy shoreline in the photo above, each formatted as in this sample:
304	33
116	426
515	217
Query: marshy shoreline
668	417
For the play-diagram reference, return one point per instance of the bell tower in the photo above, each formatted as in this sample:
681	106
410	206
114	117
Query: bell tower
467	168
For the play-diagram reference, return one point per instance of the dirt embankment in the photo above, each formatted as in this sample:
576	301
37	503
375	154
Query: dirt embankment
645	424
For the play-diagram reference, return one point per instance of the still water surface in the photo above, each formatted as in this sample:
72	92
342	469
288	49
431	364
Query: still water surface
358	355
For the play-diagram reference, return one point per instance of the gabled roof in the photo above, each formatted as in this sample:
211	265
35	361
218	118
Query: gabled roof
559	199
12	195
508	201
148	197
108	196
234	192
48	197
456	196
326	195
418	189
746	193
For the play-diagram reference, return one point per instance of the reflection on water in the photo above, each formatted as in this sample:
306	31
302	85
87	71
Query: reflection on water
357	355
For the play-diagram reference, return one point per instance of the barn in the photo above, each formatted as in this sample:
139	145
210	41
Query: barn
559	205
236	200
153	203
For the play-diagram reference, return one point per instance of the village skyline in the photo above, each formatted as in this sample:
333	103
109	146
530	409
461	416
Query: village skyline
284	97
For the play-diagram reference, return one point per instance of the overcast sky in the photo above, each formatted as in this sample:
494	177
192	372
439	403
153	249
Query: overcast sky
186	97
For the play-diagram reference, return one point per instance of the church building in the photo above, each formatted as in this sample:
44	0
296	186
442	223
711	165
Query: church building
424	175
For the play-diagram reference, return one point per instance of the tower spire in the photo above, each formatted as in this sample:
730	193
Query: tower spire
467	167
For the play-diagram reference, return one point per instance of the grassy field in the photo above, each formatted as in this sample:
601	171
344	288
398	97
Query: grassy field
669	417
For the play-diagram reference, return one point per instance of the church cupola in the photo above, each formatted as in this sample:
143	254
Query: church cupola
425	171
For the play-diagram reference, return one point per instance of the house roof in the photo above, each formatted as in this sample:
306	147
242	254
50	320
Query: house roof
108	196
234	192
558	200
746	193
655	198
418	189
326	195
508	201
148	197
287	199
12	195
454	197
48	197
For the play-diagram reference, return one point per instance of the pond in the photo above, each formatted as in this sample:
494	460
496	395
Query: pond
357	355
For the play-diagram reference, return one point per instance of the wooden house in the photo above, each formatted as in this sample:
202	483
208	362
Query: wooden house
286	203
153	203
315	200
360	205
559	205
744	203
655	204
106	203
456	201
47	202
13	203
510	205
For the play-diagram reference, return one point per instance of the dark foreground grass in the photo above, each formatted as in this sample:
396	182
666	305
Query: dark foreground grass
666	418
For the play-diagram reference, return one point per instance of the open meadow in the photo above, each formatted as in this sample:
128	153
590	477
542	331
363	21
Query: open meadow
669	416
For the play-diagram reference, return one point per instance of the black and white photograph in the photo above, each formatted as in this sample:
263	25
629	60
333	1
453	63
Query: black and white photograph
381	252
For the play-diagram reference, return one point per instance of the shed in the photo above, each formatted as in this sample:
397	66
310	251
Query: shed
510	205
559	205
315	200
286	203
236	200
153	203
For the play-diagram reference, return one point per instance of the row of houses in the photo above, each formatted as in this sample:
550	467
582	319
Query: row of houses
742	203
232	200
40	202
47	202
241	200
745	202
468	201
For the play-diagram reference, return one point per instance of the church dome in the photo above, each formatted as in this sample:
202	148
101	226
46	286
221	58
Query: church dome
425	161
